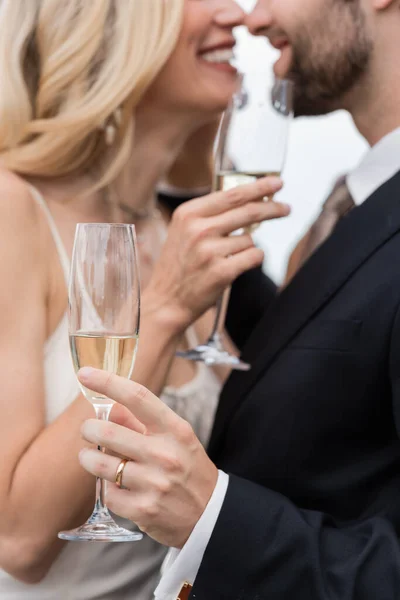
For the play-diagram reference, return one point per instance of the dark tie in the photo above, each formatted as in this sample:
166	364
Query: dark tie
336	206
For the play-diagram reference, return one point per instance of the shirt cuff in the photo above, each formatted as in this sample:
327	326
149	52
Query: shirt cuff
183	565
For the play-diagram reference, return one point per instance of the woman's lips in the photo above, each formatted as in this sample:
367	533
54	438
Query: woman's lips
219	58
224	67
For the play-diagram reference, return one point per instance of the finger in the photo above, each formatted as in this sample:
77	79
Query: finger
226	246
105	466
101	465
117	439
135	477
123	416
228	269
243	217
220	202
145	406
123	502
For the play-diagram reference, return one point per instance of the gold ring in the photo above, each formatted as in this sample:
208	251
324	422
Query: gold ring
120	472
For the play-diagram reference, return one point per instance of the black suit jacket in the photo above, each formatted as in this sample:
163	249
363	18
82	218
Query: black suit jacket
310	436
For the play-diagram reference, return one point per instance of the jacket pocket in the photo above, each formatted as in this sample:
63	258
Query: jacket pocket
324	334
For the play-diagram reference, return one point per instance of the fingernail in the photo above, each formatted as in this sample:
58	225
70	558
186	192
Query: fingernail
85	373
83	427
275	182
82	453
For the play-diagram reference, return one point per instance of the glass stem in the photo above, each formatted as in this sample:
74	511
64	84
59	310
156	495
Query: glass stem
220	316
102	413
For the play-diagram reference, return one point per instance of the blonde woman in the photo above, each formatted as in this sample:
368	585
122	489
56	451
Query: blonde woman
97	100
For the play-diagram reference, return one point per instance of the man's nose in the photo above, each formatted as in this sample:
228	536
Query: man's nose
259	20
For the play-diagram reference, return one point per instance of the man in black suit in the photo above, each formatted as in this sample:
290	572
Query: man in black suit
306	502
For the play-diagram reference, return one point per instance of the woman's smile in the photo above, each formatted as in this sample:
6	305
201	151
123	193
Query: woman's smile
220	58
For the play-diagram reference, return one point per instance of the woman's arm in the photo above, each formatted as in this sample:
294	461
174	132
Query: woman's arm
43	489
37	497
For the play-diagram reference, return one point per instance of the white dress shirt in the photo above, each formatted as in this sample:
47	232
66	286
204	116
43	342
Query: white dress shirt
380	163
183	565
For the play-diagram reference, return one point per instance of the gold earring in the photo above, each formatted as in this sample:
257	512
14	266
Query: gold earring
111	125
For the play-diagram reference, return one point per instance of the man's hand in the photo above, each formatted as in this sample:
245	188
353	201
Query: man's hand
169	478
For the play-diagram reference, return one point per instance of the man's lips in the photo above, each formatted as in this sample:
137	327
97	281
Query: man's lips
279	43
283	64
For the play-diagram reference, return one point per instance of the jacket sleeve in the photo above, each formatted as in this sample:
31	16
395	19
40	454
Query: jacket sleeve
251	295
263	547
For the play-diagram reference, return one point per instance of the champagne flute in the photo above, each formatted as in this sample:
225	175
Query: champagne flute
251	143
104	311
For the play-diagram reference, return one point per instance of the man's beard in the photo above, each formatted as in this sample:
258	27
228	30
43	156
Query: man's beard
330	59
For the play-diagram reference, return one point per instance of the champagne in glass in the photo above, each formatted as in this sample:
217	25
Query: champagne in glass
104	311
112	353
226	180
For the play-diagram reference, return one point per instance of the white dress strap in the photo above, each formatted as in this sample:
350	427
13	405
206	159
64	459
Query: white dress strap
89	312
62	253
191	337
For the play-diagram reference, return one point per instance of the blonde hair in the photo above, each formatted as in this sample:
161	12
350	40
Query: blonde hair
66	66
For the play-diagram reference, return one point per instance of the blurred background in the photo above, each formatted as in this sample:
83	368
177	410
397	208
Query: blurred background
320	149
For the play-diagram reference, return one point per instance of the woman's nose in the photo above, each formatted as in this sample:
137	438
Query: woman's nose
230	14
259	20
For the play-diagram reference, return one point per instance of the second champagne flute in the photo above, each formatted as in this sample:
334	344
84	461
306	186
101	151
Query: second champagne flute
104	313
251	144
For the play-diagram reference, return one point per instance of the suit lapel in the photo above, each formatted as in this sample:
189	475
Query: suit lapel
353	241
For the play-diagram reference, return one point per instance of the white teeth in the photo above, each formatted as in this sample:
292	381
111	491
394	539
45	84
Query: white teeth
219	56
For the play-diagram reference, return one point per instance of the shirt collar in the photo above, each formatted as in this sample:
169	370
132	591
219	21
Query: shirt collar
380	163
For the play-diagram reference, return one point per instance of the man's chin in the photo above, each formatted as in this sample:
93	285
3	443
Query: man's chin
312	112
313	107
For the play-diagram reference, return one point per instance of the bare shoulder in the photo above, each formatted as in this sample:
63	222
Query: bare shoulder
22	236
18	209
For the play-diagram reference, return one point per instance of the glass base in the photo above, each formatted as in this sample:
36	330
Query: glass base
212	355
100	530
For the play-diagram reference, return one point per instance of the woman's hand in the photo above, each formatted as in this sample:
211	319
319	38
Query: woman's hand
168	479
200	258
